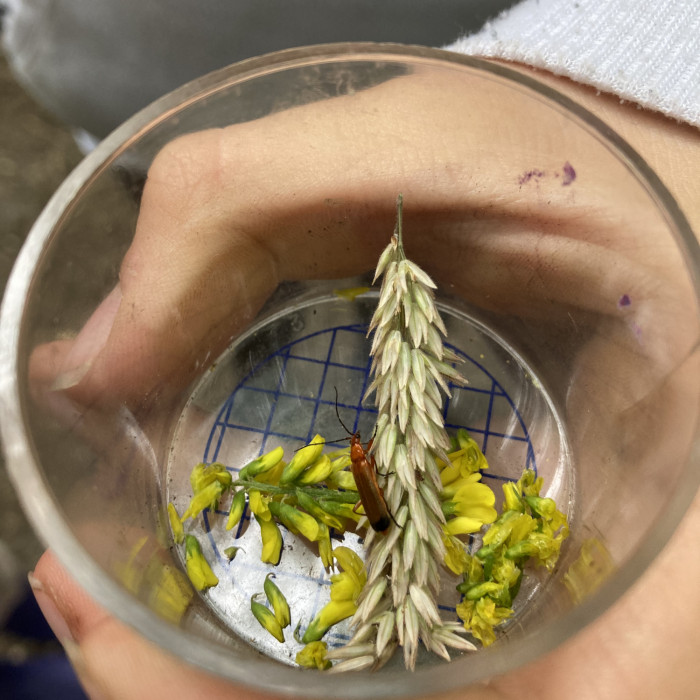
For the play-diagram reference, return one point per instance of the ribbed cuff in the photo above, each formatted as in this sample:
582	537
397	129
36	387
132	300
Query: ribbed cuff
644	51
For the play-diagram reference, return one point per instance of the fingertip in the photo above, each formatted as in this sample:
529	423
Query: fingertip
65	605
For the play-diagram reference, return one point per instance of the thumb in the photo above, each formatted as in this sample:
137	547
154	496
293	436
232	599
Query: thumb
110	659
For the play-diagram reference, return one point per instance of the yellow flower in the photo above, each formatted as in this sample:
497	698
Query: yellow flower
473	499
325	548
273	475
351	565
278	602
317	472
262	464
312	506
176	524
313	655
331	614
449	491
205	474
303	458
267	619
342	510
171	594
271	541
342	480
470	507
481	616
462	525
295	520
208	497
259	504
345	591
456	557
473	459
236	511
198	569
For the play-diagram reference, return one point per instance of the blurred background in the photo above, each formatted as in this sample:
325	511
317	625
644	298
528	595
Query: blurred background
36	154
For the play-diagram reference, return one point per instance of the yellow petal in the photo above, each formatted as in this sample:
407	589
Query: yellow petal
258	503
313	655
325	548
262	464
344	586
456	557
198	568
329	615
206	498
350	293
175	524
303	458
462	525
271	541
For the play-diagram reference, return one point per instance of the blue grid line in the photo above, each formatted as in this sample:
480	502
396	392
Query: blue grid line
276	396
285	352
314	360
334	333
226	410
489	413
494	433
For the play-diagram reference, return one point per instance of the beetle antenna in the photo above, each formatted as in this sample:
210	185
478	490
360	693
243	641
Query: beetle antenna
337	413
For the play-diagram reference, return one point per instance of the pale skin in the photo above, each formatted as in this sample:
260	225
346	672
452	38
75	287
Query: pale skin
219	207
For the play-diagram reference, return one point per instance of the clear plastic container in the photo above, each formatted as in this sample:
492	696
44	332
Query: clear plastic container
567	279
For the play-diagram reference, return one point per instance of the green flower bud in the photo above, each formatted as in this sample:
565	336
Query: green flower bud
342	480
303	458
262	464
236	511
267	619
295	520
338	509
230	552
544	507
479	590
278	602
329	615
317	472
311	506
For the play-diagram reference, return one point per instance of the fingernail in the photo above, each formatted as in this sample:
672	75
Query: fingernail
50	611
88	342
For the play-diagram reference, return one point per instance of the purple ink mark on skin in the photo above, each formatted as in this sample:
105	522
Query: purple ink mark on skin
526	177
623	301
569	174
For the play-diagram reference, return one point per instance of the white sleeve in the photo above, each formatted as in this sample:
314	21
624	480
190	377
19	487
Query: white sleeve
644	51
